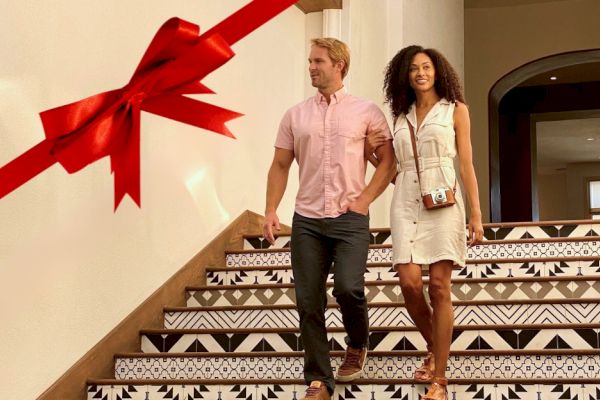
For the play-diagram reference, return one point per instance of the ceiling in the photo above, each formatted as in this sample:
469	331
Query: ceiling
562	142
309	6
571	74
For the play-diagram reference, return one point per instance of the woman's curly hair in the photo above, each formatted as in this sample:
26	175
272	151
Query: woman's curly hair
396	86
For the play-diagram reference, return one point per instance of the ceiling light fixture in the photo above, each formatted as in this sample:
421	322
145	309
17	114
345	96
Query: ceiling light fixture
590	139
553	78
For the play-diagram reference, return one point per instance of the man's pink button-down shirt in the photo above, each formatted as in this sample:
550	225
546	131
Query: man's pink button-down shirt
328	142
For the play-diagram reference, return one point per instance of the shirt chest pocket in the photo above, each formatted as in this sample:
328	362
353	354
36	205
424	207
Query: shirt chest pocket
351	129
350	136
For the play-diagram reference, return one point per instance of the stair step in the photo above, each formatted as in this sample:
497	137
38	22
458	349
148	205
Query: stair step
362	389
505	231
560	311
384	291
526	268
536	248
379	365
500	337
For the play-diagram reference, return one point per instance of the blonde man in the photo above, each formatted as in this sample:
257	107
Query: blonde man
326	135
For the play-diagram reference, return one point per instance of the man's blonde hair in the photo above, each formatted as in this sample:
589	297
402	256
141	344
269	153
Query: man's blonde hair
337	51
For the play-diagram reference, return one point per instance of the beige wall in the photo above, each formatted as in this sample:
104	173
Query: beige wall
552	195
437	24
577	175
70	268
500	39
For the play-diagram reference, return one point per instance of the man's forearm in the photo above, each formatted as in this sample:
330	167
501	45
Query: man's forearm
384	172
276	184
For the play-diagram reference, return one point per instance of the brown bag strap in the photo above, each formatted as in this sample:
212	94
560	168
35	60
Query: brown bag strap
415	154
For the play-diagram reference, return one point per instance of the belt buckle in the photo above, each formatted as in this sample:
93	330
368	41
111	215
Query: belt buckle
421	165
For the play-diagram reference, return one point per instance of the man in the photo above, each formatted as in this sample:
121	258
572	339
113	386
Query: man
326	135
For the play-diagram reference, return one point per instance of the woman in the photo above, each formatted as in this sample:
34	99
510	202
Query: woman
424	93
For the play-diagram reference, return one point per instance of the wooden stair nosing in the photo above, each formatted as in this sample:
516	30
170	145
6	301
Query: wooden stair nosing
491	225
390	304
474	381
468	261
371	329
395	282
371	230
484	243
375	353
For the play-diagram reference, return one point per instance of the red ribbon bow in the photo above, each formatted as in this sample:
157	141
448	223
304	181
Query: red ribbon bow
108	124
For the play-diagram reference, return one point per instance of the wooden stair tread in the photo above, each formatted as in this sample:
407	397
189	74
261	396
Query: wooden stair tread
491	225
475	261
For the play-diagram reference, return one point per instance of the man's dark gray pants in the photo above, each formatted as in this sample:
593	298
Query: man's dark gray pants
315	245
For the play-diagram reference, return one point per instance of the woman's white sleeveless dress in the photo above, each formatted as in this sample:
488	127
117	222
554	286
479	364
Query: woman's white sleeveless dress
419	235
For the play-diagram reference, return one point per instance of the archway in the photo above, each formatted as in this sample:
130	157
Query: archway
497	93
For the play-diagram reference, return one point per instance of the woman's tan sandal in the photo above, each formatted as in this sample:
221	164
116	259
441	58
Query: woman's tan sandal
424	374
438	389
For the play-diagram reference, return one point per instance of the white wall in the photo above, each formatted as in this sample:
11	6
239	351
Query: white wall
70	268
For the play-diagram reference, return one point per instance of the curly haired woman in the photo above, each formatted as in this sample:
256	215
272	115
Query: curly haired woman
425	95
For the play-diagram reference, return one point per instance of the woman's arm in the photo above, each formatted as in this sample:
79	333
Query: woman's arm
462	127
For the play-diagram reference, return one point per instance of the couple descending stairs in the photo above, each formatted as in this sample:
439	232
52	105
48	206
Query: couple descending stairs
527	310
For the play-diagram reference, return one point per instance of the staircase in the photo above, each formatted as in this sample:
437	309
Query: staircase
527	310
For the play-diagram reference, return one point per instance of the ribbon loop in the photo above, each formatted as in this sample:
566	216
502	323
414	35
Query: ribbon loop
108	124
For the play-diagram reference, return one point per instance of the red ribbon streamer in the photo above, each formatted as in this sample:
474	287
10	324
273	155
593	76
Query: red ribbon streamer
108	124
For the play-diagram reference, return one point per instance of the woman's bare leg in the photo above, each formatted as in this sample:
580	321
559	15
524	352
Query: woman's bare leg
411	283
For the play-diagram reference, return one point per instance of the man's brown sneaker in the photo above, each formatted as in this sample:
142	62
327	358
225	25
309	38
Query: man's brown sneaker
353	364
316	391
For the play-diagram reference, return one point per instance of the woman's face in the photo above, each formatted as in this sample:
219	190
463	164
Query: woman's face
421	73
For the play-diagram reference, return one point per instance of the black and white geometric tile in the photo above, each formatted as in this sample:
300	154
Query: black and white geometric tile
587	311
516	290
480	252
193	392
344	392
384	366
283	275
530	269
582	338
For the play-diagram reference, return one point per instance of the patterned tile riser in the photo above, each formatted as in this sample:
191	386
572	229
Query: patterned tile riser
390	316
343	392
392	293
508	339
386	273
484	252
376	367
522	232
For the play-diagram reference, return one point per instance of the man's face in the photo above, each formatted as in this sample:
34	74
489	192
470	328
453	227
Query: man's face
323	73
